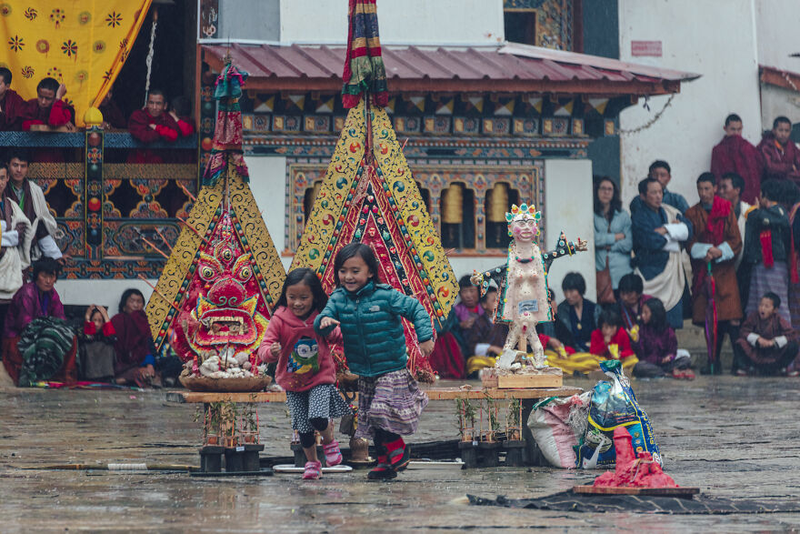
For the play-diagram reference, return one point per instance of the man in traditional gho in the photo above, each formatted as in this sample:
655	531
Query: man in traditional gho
717	241
30	198
658	231
730	188
781	155
13	251
660	170
152	124
12	106
736	154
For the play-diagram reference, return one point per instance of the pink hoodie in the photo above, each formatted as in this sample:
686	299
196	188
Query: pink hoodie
305	360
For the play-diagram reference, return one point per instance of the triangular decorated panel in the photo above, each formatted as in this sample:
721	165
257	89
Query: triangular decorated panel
222	280
380	206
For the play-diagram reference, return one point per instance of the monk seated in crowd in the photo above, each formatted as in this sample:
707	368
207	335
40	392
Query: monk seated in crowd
135	363
154	123
12	106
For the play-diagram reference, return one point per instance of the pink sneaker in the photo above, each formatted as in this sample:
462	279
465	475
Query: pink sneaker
313	471
333	455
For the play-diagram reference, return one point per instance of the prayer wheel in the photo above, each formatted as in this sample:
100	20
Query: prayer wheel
498	203
453	204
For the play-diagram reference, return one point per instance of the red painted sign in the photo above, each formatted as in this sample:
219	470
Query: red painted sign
646	48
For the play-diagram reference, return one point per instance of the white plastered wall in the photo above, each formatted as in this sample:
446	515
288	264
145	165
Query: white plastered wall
401	21
268	184
101	292
569	207
776	23
714	38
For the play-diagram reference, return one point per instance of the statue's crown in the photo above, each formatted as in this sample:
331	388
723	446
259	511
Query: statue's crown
521	212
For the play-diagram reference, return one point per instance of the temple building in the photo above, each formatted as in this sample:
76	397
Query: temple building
495	102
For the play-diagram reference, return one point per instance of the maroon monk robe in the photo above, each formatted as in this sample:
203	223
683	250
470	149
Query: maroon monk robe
12	109
29	304
736	154
139	127
113	115
187	128
55	116
133	342
780	162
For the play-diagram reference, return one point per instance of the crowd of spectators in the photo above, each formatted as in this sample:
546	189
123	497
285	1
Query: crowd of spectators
728	262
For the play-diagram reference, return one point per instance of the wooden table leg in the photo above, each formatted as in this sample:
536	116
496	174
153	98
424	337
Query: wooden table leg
533	456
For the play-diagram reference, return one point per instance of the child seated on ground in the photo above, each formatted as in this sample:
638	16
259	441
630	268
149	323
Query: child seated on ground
479	342
468	308
97	354
657	345
486	338
631	299
452	346
767	343
610	341
578	314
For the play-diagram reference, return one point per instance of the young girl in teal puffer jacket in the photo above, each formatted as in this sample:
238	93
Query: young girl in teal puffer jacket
369	314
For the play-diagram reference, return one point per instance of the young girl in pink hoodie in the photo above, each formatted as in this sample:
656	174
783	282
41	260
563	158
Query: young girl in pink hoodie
305	369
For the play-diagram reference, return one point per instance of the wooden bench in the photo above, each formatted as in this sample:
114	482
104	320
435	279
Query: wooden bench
434	394
527	398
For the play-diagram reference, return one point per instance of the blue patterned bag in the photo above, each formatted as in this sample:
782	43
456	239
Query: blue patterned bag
613	405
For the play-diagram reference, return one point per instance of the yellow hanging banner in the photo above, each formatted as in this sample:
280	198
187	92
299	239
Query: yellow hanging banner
81	43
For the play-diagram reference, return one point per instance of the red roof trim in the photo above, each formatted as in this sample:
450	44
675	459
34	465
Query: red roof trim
507	69
780	78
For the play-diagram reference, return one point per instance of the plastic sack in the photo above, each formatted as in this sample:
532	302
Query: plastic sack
557	424
614	405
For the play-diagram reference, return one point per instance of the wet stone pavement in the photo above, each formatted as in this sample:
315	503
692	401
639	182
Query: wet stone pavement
735	438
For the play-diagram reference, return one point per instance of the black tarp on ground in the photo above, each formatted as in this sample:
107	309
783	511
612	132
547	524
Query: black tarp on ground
567	501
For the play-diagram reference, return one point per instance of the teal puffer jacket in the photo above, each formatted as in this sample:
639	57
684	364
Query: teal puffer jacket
374	343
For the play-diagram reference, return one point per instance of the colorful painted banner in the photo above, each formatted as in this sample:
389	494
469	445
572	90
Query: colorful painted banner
82	44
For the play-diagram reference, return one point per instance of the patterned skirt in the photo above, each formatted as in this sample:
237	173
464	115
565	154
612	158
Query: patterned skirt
320	402
763	280
44	345
392	402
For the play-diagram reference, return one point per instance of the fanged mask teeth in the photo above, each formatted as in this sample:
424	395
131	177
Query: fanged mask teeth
226	319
